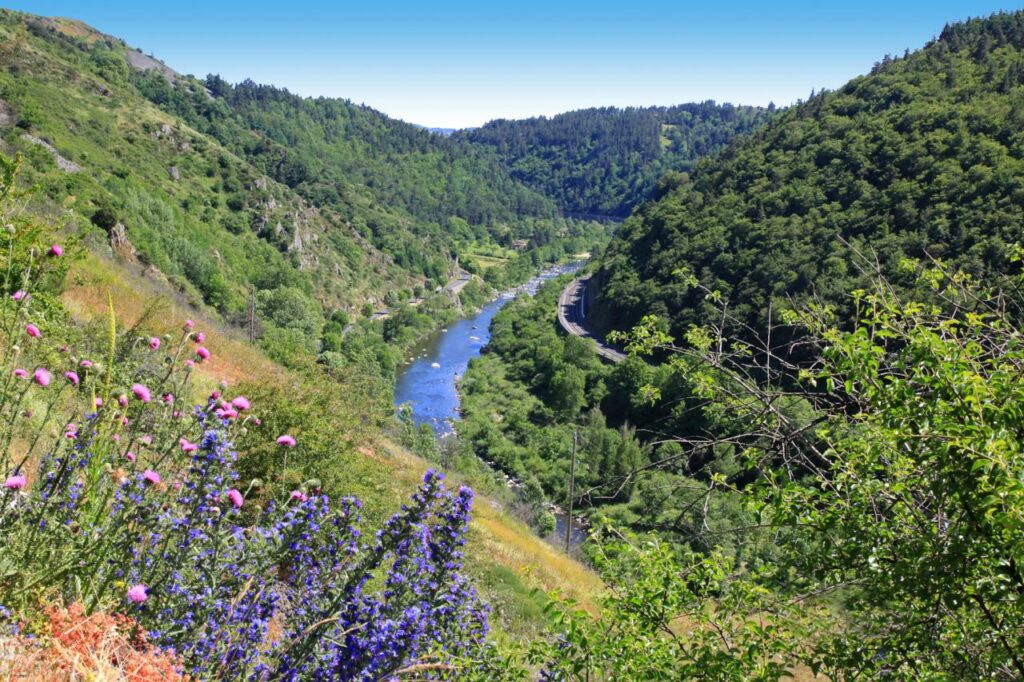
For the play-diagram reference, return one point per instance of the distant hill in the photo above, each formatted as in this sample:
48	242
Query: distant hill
923	156
606	161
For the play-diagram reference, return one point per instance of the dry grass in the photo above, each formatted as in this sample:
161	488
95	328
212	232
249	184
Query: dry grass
98	648
507	542
94	279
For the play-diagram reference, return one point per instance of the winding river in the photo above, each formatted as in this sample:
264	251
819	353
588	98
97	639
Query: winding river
428	380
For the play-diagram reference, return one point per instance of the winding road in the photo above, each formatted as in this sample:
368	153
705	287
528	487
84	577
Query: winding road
572	314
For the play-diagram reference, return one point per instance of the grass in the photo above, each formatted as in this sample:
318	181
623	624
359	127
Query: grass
512	567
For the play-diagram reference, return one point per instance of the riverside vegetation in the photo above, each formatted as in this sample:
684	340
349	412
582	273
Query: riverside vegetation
823	486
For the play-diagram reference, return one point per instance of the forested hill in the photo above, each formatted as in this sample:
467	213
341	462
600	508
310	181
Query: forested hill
925	155
221	189
606	161
330	149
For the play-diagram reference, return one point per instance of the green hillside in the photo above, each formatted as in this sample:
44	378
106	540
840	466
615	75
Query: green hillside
225	190
922	157
606	161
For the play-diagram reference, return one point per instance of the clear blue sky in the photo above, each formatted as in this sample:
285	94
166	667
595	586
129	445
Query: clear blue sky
455	64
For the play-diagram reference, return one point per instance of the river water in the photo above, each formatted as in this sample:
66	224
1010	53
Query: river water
428	380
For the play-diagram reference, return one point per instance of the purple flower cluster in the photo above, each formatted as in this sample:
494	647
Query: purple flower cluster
177	555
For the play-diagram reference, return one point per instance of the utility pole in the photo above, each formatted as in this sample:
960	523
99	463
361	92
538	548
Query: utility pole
252	315
572	493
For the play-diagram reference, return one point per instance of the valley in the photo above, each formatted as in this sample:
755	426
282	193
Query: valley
294	389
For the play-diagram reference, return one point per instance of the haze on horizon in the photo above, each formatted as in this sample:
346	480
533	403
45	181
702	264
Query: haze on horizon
460	64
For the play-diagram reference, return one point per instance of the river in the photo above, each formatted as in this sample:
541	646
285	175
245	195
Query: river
428	381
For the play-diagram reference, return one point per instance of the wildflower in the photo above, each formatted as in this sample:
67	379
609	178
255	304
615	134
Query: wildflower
71	431
203	353
189	324
154	343
41	377
85	363
226	413
146	439
16	482
137	594
215	395
286	441
150	476
56	250
19	295
236	498
240	403
188	446
168	398
98	402
71	377
199	337
298	495
190	363
142	393
256	421
33	331
130	456
116	438
122	400
20	373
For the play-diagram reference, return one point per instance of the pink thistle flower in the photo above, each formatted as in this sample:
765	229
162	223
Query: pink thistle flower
71	377
188	446
189	324
98	402
298	495
215	395
146	439
168	398
240	403
190	363
286	441
137	594
124	421
33	331
142	393
122	400
85	363
20	373
56	250
71	431
130	456
236	498
154	343
42	377
19	295
203	353
226	413
16	482
176	414
199	337
151	477
116	438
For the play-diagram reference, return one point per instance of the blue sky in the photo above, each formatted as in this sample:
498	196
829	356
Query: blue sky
456	64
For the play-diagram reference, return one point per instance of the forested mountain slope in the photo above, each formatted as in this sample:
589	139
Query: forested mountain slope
923	156
606	161
225	189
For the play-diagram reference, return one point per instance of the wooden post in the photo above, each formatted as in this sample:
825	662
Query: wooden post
252	315
572	493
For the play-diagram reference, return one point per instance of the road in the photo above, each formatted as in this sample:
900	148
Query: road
572	316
